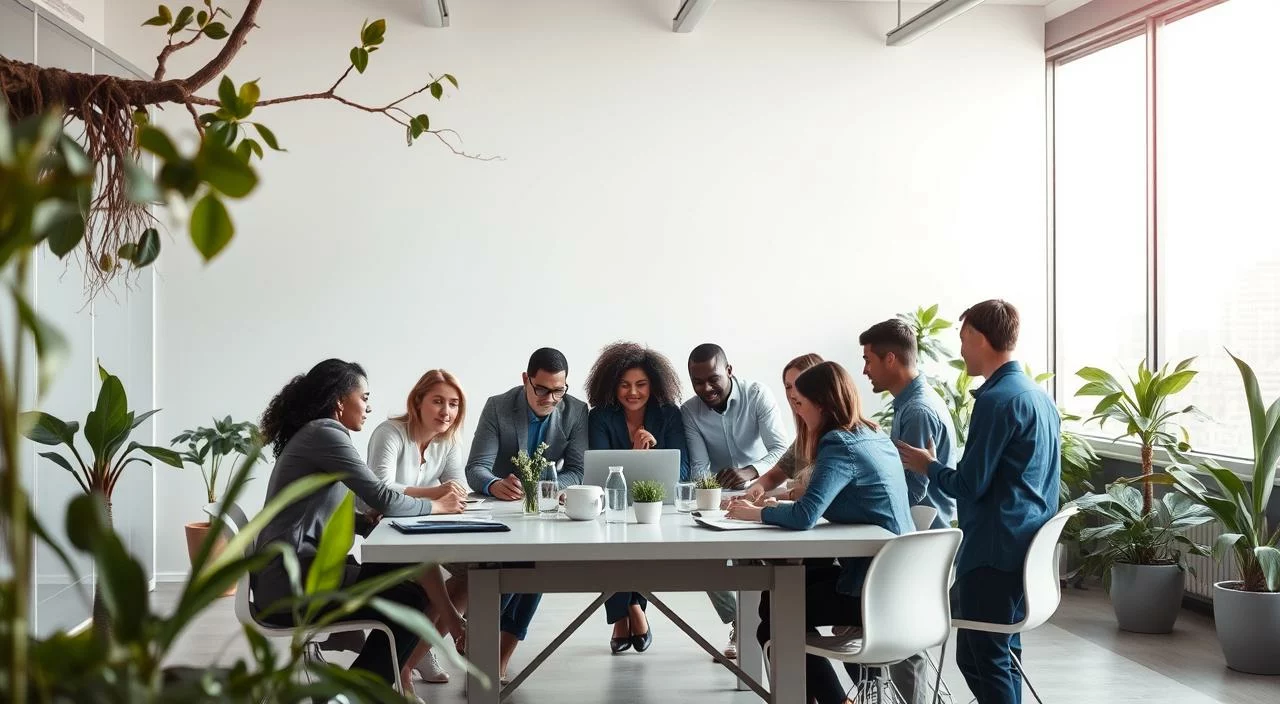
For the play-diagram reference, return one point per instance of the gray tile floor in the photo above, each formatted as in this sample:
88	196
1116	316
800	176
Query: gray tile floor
1078	657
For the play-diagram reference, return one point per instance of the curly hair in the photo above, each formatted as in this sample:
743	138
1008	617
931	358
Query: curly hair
307	397
616	359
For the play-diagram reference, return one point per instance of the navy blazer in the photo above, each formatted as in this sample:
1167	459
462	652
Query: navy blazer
607	430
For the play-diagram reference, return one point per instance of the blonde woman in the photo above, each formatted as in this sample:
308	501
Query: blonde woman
418	454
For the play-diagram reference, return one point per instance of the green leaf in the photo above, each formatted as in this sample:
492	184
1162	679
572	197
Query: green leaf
1224	544
249	94
360	58
373	33
449	77
202	18
110	416
225	171
437	90
148	248
163	454
1174	383
331	555
424	121
1269	561
216	30
86	520
227	96
185	15
1097	375
268	136
156	21
46	429
1097	388
211	228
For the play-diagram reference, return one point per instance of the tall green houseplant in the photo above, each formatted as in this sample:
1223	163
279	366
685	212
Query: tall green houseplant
1247	611
208	447
1143	409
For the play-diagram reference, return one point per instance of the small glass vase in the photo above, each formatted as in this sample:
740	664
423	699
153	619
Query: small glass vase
530	498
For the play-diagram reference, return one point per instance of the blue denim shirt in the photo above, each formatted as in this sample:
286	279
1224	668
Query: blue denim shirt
919	416
1007	482
857	478
607	430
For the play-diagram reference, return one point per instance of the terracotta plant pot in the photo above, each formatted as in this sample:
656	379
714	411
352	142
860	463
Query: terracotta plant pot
196	533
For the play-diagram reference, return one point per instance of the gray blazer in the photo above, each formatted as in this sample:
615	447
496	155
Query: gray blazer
321	446
503	431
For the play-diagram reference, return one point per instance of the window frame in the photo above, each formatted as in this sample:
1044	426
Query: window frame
1149	22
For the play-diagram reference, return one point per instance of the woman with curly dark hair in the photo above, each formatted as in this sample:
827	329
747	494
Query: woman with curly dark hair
634	394
309	425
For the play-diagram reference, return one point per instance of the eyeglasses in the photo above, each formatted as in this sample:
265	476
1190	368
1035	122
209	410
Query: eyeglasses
543	392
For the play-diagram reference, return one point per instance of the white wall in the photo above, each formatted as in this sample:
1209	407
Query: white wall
775	182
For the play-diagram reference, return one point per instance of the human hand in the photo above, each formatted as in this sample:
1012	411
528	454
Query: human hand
643	439
737	478
449	503
507	489
454	487
915	459
743	511
755	493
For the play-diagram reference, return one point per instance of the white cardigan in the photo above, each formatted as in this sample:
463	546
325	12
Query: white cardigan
393	457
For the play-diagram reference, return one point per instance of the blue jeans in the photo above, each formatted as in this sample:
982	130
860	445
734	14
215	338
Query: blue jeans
517	612
618	606
994	596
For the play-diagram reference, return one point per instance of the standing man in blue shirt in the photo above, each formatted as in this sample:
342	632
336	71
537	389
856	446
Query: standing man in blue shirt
539	410
1007	488
920	419
733	430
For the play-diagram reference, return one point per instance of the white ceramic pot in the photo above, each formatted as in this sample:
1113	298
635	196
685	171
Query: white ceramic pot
648	512
708	499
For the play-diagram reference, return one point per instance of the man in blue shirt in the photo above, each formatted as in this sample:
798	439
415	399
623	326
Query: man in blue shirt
539	410
920	418
734	431
1006	486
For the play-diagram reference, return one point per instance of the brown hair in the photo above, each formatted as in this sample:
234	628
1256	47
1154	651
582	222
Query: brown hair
893	335
997	320
414	404
801	364
830	387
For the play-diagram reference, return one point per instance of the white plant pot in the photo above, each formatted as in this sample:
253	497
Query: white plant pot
1248	628
648	512
708	499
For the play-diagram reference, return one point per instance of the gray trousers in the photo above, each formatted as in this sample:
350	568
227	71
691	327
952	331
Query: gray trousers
726	604
911	677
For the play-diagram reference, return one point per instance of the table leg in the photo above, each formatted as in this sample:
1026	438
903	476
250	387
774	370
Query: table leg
749	657
483	614
786	617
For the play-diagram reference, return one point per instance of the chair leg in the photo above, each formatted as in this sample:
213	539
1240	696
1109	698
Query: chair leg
937	684
1017	665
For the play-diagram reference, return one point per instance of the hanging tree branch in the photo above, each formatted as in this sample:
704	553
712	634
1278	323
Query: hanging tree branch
116	131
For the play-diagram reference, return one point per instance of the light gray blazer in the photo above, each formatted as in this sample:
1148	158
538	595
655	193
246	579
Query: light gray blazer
320	447
503	431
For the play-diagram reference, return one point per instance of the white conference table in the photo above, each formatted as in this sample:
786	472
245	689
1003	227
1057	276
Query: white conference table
560	555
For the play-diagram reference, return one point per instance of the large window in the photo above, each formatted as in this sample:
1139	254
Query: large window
1203	274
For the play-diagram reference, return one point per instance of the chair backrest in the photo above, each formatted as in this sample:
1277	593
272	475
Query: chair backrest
1040	572
232	522
906	605
922	516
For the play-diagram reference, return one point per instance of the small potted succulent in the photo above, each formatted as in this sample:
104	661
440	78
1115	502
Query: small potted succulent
646	499
708	493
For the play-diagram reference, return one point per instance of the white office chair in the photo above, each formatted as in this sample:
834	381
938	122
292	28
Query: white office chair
1040	581
906	605
922	516
233	521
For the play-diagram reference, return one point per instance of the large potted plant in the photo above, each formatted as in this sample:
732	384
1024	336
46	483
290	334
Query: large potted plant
1140	562
207	448
1141	556
1246	610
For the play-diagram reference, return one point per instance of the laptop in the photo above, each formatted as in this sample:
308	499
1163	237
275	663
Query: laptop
656	465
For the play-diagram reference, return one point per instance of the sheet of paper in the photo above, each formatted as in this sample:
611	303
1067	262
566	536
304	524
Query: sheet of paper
717	521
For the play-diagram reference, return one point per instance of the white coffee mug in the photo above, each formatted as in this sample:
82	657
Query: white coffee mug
583	502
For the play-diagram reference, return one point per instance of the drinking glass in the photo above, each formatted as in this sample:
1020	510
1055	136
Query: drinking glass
548	498
686	497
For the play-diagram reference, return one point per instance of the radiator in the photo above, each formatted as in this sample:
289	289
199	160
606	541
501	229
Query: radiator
1207	570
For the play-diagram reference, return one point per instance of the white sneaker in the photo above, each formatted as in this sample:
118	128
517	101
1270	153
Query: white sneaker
428	668
731	649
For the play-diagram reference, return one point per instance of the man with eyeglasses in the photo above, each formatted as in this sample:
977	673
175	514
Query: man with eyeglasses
539	410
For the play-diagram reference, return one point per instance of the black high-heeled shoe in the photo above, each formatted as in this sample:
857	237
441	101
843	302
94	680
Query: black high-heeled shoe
617	645
642	641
